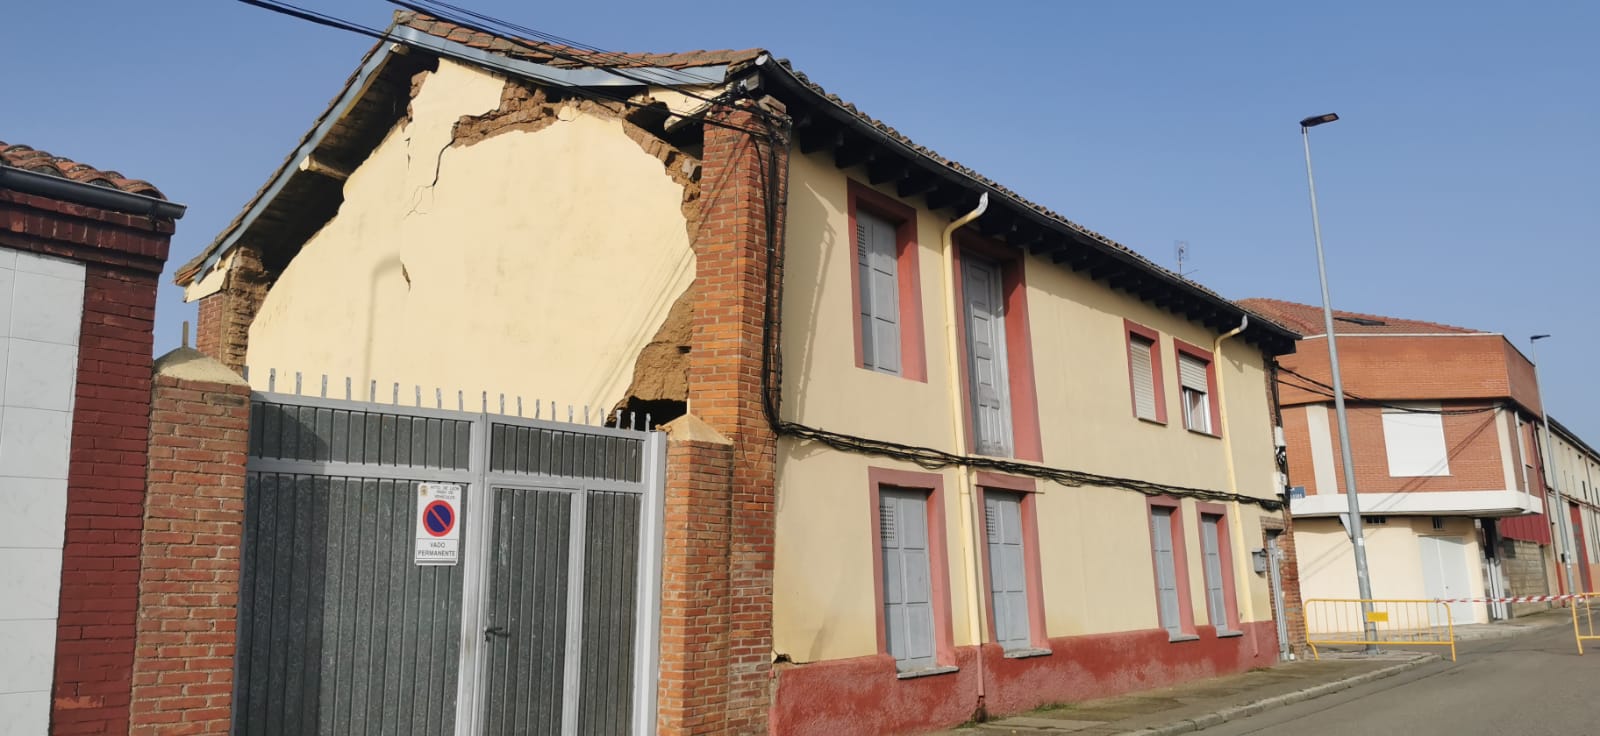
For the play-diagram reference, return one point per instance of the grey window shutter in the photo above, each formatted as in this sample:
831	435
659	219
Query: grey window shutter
1215	601
880	293
1007	575
1166	570
1192	373
907	589
1144	379
986	357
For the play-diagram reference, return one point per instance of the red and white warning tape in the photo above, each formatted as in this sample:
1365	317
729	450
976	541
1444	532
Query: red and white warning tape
1517	599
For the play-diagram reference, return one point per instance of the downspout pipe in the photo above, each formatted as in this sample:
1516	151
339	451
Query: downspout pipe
1247	608
958	439
91	195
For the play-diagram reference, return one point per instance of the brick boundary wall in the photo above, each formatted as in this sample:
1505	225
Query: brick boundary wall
193	527
725	388
693	690
123	256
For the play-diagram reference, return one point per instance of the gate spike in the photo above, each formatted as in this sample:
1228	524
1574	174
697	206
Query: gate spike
647	422
438	398
633	420
396	401
519	406
272	379
372	392
538	408
485	402
569	415
552	410
297	383
586	414
419	395
619	419
346	388
502	404
324	385
461	400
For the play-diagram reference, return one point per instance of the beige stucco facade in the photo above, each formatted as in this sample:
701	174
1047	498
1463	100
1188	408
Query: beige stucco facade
447	262
1094	543
1327	564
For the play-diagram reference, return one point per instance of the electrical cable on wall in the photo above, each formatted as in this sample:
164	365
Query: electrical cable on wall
1323	389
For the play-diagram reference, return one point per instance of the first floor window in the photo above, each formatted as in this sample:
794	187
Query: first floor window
1194	376
1413	440
907	589
1008	583
878	277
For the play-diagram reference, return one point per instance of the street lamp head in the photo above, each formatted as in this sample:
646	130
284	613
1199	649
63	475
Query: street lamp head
1316	120
1537	338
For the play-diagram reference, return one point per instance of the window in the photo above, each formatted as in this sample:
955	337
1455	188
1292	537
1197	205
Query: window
1199	389
1218	564
907	579
1172	586
1414	441
1008	579
986	351
888	322
1144	373
996	356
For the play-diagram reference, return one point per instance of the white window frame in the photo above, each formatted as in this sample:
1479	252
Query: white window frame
1195	418
1414	443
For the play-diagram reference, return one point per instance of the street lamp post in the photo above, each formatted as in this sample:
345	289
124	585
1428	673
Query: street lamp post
1560	511
1357	539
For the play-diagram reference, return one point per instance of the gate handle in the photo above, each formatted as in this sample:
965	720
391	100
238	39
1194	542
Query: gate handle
499	631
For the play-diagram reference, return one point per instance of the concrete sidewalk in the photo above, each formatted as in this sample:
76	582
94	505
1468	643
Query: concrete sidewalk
1205	703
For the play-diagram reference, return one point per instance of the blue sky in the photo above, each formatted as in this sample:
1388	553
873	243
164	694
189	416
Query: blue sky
1460	186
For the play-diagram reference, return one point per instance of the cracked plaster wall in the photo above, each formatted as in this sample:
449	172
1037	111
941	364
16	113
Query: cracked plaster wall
534	257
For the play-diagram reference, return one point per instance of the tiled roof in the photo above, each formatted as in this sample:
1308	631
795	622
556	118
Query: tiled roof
567	56
1306	319
31	159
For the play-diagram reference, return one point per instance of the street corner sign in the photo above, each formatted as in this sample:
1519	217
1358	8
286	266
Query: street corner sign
438	524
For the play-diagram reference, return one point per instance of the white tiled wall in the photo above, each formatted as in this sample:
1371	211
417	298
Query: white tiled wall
41	308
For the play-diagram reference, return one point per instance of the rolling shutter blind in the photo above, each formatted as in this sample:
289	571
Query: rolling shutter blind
1166	570
1192	373
1414	442
1144	380
1212	547
907	593
1007	579
880	293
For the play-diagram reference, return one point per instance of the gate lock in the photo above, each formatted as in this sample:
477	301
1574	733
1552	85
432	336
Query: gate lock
494	631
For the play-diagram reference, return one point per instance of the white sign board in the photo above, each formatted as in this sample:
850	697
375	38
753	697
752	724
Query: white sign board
438	524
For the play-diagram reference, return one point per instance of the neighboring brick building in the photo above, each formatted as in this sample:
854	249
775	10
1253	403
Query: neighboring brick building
80	253
1443	434
874	524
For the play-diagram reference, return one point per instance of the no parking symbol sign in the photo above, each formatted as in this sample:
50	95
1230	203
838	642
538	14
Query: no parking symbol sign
438	524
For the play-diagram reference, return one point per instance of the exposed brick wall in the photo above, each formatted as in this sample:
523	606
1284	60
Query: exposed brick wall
1294	617
123	256
1416	368
1471	441
725	390
189	578
223	331
695	608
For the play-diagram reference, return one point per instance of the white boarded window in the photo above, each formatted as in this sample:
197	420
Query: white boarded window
1141	362
907	588
1192	376
1008	584
878	273
1414	441
1166	570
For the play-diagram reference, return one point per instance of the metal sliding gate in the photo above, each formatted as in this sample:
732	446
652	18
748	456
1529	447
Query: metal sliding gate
547	624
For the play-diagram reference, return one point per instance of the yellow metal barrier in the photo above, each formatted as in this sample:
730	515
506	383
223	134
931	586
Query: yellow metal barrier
1583	618
1341	622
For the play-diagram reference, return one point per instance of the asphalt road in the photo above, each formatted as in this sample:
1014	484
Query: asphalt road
1534	683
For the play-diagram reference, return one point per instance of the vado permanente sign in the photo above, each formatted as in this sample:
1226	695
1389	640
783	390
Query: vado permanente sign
438	524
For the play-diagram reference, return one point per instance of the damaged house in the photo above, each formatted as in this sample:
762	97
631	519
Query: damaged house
934	452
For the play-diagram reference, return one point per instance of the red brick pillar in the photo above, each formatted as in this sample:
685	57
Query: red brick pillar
189	561
223	331
693	693
725	382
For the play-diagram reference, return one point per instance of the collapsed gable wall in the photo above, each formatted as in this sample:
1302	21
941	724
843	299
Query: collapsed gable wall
499	239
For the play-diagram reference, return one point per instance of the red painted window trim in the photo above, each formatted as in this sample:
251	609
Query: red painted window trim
1180	560
1028	488
1132	328
1200	353
938	556
913	350
1230	593
1026	443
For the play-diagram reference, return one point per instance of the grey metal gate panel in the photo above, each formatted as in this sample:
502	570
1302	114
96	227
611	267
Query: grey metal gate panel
610	567
525	616
338	632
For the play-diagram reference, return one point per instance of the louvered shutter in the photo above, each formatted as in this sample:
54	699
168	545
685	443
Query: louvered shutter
1007	578
1166	570
1192	373
986	358
1144	379
907	593
1211	543
878	274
